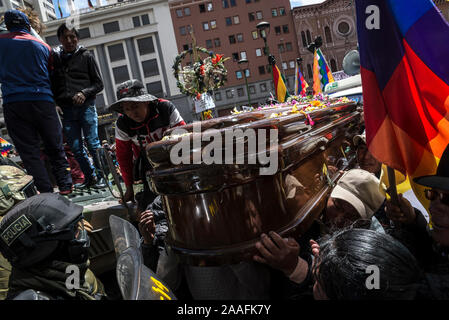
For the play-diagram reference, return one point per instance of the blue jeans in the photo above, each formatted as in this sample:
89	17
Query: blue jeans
82	119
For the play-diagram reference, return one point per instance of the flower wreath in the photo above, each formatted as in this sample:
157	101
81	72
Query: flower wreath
204	75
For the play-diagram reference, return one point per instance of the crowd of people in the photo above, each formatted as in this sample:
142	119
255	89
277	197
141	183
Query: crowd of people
364	245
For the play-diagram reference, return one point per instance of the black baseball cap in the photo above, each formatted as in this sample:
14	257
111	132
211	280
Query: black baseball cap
16	19
441	179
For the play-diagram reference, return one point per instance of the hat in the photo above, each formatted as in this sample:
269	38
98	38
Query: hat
359	138
361	189
441	179
16	19
31	230
131	90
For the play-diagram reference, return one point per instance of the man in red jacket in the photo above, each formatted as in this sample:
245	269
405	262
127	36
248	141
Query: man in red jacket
143	117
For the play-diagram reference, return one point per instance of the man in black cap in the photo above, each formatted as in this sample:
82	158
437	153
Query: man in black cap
28	103
44	239
143	120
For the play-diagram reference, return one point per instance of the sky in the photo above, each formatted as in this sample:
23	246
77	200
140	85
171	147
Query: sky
84	4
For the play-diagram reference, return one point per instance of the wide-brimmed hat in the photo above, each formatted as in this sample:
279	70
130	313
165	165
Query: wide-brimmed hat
441	179
131	90
361	189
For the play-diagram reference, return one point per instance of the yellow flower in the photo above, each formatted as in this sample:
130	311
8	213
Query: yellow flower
316	103
295	109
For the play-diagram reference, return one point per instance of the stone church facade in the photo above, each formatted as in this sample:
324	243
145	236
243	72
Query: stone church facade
335	22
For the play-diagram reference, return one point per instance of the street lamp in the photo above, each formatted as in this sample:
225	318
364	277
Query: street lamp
245	64
264	30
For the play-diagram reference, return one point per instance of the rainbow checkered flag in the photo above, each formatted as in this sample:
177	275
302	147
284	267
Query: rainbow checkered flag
5	147
301	84
322	74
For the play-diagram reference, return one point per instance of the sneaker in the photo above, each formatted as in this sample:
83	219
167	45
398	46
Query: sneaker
100	184
64	192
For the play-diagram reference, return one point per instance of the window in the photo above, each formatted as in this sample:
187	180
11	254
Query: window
84	33
120	74
258	52
136	22
333	65
259	15
255	34
225	3
252	89
210	7
187	11
343	28
209	44
155	88
213	24
233	3
274	12
292	64
228	21
243	55
240	92
231	39
240	37
179	13
309	71
229	94
111	27
284	65
218	96
281	48
116	52
150	68
205	26
247	74
52	40
202	8
285	28
303	37
239	74
145	19
288	46
182	30
251	16
282	11
263	87
327	33
235	56
277	29
236	19
146	45
217	42
261	70
309	38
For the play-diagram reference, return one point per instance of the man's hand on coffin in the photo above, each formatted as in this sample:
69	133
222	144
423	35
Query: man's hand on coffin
404	213
279	253
147	227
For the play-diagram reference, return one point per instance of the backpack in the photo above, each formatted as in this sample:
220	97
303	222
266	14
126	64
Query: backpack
12	182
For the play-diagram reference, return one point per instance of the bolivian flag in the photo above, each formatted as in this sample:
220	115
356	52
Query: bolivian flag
279	84
404	56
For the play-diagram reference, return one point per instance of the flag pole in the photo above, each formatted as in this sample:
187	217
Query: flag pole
392	191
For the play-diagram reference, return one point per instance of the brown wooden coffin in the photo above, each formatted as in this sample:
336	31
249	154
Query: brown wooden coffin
216	213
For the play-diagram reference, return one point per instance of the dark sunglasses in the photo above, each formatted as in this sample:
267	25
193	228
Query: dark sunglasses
434	195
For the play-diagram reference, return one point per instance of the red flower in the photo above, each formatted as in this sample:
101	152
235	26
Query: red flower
198	96
202	70
217	58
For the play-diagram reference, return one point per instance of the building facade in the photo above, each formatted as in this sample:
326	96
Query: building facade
44	8
229	27
130	40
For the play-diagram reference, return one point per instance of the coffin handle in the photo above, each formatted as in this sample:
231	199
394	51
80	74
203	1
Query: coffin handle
318	143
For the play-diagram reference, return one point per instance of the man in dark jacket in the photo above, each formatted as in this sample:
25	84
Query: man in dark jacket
28	103
76	81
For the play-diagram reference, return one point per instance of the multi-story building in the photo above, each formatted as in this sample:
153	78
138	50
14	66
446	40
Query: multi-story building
130	40
229	27
44	8
335	22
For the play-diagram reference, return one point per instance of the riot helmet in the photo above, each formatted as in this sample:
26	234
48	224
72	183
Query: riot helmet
42	227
